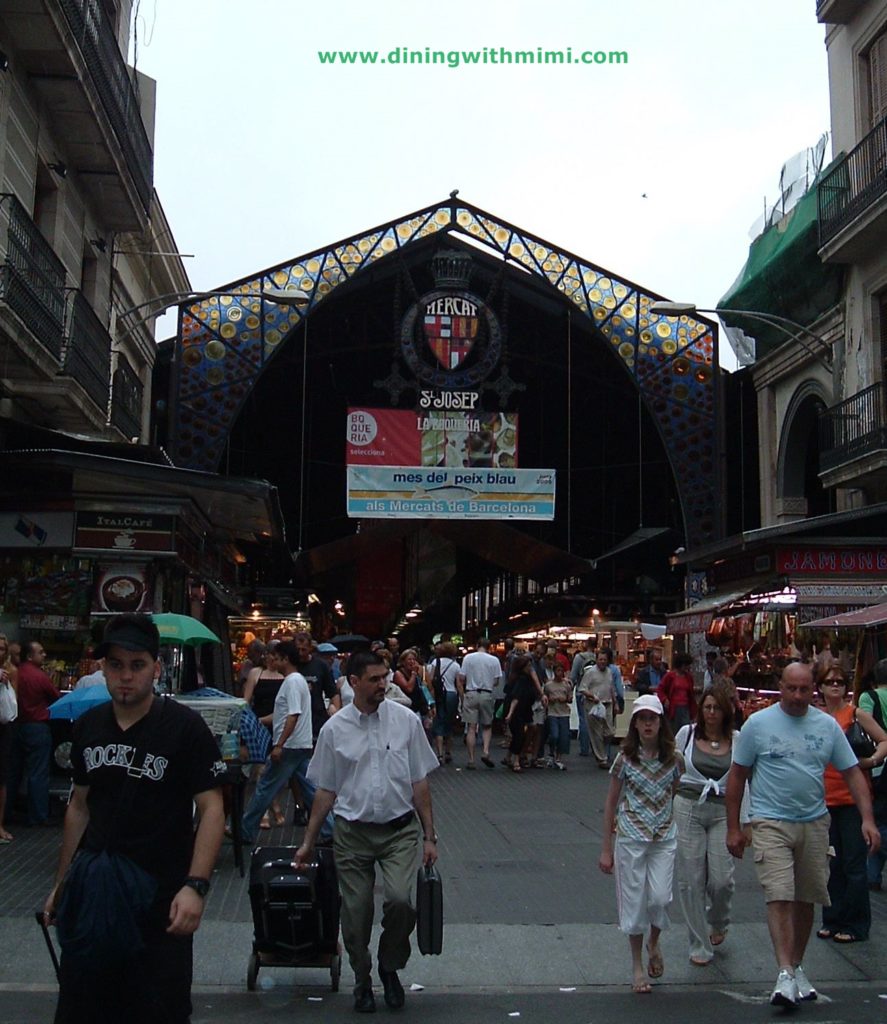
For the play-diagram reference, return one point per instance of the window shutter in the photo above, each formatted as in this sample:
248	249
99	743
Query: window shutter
878	79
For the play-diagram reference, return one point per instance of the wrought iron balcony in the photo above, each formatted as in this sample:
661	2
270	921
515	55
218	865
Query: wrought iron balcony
33	278
126	400
854	184
854	428
102	56
88	352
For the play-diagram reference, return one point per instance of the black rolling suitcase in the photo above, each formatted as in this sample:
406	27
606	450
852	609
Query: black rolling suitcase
295	913
429	910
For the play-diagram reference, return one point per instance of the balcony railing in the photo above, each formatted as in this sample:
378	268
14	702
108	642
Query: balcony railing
126	400
102	56
33	279
854	428
88	352
857	181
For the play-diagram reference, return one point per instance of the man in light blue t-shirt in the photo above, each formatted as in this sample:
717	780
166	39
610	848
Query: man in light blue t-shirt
789	745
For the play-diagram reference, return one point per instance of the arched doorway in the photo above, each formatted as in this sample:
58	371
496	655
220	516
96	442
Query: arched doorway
800	491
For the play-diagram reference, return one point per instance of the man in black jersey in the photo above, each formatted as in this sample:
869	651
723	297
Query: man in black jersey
141	764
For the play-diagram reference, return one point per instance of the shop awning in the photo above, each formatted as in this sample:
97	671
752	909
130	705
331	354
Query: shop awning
876	615
697	618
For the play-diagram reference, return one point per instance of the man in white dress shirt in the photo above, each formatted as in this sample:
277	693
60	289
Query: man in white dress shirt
370	766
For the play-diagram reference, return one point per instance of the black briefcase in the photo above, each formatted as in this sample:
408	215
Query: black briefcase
429	910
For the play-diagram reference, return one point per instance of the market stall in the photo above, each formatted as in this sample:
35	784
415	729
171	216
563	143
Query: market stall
857	639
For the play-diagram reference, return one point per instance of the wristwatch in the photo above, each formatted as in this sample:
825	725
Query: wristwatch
431	838
199	885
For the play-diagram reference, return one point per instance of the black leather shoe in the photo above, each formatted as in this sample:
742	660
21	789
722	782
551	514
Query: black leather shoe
364	1002
393	989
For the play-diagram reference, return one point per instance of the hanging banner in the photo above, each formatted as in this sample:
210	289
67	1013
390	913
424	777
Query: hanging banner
405	492
432	437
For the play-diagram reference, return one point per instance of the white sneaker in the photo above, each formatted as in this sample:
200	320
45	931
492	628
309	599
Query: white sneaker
786	991
806	992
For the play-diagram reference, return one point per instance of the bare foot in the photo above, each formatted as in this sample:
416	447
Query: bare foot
655	965
641	987
6	837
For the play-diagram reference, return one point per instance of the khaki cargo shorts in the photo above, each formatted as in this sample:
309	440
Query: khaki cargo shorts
791	859
477	707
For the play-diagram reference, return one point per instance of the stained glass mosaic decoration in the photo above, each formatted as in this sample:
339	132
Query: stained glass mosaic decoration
226	340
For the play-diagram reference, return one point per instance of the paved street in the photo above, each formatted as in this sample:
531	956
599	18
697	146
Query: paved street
529	925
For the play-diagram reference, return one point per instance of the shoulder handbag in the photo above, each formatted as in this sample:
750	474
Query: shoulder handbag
860	742
437	686
8	703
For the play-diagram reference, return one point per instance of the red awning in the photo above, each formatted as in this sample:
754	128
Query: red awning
876	615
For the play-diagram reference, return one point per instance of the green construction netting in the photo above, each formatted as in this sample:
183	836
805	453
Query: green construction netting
784	275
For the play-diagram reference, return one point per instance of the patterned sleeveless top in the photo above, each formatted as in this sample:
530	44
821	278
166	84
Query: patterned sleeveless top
645	809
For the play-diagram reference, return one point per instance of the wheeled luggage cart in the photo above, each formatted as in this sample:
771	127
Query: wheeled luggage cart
295	913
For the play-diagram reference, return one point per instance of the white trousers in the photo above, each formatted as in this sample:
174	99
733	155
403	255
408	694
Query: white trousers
644	876
705	871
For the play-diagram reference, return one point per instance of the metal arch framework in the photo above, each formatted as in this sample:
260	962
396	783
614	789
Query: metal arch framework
225	342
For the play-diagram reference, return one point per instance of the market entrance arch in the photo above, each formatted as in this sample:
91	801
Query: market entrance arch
226	342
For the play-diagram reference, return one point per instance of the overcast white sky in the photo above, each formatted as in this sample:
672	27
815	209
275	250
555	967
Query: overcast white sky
262	153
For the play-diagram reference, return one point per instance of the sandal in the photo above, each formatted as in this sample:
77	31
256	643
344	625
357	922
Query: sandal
845	937
516	768
824	933
279	819
655	964
641	988
265	822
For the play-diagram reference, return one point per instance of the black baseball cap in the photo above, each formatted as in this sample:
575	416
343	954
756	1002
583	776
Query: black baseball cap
132	633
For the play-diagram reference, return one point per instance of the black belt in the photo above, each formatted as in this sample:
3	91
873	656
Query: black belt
480	691
400	822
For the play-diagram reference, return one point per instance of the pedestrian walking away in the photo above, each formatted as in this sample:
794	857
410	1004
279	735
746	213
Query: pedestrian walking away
477	678
370	767
293	746
141	764
31	738
642	783
784	750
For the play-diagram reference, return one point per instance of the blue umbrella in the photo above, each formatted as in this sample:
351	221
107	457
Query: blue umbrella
72	705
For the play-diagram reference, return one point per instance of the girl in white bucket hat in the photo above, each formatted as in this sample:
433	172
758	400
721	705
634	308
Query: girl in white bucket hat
642	783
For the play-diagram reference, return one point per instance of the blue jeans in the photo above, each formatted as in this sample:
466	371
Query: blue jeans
559	734
276	775
850	910
31	751
584	740
445	716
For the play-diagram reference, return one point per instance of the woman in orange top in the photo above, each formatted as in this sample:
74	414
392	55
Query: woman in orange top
849	917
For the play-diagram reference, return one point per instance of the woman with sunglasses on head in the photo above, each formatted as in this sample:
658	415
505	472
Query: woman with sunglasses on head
849	917
704	864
